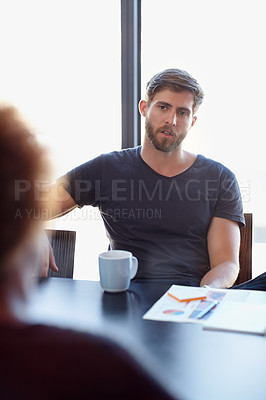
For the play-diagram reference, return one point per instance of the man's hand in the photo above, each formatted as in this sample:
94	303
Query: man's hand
47	259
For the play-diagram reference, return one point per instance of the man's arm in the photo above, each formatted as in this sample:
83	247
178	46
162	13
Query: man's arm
223	247
59	202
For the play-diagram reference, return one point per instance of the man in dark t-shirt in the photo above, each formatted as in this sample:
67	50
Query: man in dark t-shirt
162	220
179	213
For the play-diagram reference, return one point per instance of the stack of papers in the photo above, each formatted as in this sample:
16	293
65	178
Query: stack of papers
216	309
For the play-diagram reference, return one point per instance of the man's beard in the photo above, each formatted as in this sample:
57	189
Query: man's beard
163	144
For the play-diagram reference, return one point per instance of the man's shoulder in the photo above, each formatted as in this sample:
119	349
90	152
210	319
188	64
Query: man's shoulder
106	161
208	164
132	153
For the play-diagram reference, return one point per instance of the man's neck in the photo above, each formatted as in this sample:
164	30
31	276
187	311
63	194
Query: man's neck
167	163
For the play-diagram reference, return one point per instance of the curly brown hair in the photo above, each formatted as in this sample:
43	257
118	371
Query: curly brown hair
23	162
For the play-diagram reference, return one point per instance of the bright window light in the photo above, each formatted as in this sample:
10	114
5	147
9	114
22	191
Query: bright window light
60	65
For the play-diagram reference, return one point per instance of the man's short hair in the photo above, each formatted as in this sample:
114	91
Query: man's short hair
176	80
23	163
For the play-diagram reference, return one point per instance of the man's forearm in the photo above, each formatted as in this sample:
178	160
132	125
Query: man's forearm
222	276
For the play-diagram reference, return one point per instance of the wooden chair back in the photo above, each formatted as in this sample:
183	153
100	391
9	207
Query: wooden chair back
245	253
63	245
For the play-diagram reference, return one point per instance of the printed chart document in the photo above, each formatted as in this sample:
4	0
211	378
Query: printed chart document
216	309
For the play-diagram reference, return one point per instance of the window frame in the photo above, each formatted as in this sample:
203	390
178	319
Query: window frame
130	72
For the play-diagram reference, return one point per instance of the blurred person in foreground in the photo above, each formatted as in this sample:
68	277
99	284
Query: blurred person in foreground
38	361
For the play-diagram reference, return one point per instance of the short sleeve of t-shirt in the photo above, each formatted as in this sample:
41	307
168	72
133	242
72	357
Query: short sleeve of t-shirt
83	182
229	204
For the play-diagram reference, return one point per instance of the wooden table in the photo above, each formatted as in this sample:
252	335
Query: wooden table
194	364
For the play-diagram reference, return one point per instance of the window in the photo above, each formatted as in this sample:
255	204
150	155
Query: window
60	65
220	44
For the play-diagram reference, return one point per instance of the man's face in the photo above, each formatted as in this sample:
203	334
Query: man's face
169	117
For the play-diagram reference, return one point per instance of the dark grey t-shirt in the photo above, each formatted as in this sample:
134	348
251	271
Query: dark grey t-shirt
163	221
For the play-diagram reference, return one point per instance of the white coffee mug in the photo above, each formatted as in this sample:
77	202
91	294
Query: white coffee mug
117	268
